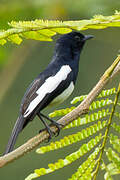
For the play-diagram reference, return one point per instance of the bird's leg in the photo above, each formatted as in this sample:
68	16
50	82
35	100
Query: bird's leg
53	122
47	127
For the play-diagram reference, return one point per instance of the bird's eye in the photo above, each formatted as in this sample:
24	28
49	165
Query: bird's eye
77	38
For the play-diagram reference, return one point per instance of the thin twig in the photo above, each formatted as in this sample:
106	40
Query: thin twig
79	110
106	132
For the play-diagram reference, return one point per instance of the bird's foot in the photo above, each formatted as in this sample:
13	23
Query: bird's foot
53	122
58	126
47	128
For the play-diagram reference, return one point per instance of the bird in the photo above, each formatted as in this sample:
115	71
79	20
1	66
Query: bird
52	86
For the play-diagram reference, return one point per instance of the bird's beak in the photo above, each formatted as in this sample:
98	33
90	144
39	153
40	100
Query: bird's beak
88	37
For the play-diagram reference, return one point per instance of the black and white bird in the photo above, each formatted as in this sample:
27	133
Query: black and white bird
53	85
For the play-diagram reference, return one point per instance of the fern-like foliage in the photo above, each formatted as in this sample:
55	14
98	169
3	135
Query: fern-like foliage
44	30
103	117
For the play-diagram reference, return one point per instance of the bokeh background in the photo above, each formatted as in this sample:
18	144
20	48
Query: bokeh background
19	65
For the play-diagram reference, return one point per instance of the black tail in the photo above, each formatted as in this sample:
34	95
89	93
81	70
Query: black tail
16	130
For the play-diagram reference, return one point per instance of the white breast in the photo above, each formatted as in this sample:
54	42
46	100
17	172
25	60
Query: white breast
65	94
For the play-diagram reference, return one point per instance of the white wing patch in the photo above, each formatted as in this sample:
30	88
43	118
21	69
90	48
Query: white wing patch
49	85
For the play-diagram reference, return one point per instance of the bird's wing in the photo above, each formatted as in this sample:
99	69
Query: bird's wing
30	94
43	90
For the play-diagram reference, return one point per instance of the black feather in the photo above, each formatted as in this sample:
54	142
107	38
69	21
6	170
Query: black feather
16	130
67	52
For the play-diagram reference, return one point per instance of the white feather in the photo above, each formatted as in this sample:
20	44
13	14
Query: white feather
64	95
48	86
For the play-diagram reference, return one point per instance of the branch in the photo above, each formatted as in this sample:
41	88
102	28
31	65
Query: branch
106	132
44	30
79	110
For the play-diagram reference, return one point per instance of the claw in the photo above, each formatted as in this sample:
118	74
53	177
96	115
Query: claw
49	132
54	123
58	126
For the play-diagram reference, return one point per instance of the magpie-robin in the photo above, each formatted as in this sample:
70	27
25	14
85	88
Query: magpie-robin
53	85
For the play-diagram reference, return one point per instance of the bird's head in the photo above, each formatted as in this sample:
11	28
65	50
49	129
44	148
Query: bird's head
73	40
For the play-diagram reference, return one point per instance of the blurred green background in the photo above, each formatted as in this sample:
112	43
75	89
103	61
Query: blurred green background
19	65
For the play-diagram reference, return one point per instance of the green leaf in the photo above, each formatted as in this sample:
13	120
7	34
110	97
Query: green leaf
87	165
95	105
100	104
107	175
61	30
116	127
117	114
47	32
89	168
115	141
104	93
36	36
44	30
61	112
114	157
78	99
2	41
88	118
15	38
73	138
68	159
